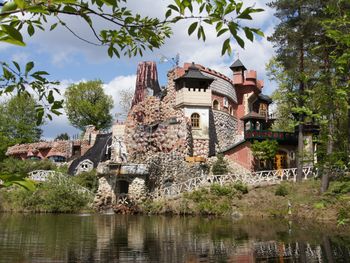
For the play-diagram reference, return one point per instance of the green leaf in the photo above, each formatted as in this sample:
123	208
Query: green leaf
239	41
192	28
17	66
20	3
174	8
8	7
248	34
222	31
225	46
30	30
168	13
13	33
29	67
53	26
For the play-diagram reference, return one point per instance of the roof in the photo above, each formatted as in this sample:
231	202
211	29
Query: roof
265	98
238	65
253	115
233	146
194	73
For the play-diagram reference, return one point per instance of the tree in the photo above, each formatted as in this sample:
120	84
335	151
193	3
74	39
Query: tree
125	32
265	151
18	122
62	136
294	38
220	166
87	104
320	33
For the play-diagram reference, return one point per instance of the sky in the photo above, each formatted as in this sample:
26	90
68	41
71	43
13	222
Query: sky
69	60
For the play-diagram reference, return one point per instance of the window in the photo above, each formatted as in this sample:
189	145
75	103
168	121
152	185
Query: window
216	105
225	102
195	120
57	158
230	109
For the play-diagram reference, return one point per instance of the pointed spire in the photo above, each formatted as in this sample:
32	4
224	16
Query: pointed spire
237	66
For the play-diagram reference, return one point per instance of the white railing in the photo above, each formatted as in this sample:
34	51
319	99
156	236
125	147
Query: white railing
44	175
251	179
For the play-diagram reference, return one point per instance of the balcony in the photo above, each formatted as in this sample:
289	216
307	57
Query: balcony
270	135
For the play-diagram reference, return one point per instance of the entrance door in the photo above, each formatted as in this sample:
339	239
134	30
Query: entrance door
123	187
281	160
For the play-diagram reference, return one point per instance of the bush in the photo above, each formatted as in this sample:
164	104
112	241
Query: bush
23	167
243	188
340	187
220	166
88	180
55	196
219	190
281	190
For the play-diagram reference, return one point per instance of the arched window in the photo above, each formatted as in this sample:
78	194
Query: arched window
216	105
195	118
225	102
230	109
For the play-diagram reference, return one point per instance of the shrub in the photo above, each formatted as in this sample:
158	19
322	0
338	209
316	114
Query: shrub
23	167
340	187
88	180
281	190
219	190
55	195
243	188
220	166
198	195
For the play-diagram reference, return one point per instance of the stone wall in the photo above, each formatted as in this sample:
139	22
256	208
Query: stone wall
225	127
200	148
155	125
165	169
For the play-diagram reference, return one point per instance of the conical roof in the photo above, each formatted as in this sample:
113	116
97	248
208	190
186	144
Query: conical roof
237	65
194	73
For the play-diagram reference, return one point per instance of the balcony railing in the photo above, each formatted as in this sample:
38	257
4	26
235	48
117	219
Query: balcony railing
271	135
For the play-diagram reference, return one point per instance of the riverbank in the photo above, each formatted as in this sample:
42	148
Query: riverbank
287	200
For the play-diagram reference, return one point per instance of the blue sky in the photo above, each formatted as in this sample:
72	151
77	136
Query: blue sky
70	60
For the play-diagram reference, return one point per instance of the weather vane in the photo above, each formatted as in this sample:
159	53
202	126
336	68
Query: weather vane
174	61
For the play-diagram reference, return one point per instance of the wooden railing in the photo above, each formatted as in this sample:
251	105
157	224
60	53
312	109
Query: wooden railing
251	179
44	175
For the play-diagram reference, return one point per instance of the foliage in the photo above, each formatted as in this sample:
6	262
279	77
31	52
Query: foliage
219	190
23	167
54	196
340	187
7	180
126	32
87	104
311	67
281	190
62	136
18	122
265	151
220	166
240	186
88	180
29	82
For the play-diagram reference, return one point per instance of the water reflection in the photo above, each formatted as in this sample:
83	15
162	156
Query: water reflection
118	238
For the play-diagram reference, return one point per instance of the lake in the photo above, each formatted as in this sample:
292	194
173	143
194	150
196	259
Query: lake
122	238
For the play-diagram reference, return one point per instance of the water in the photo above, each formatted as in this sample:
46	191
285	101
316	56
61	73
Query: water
118	238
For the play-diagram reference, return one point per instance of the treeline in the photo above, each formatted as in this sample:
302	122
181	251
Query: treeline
312	69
